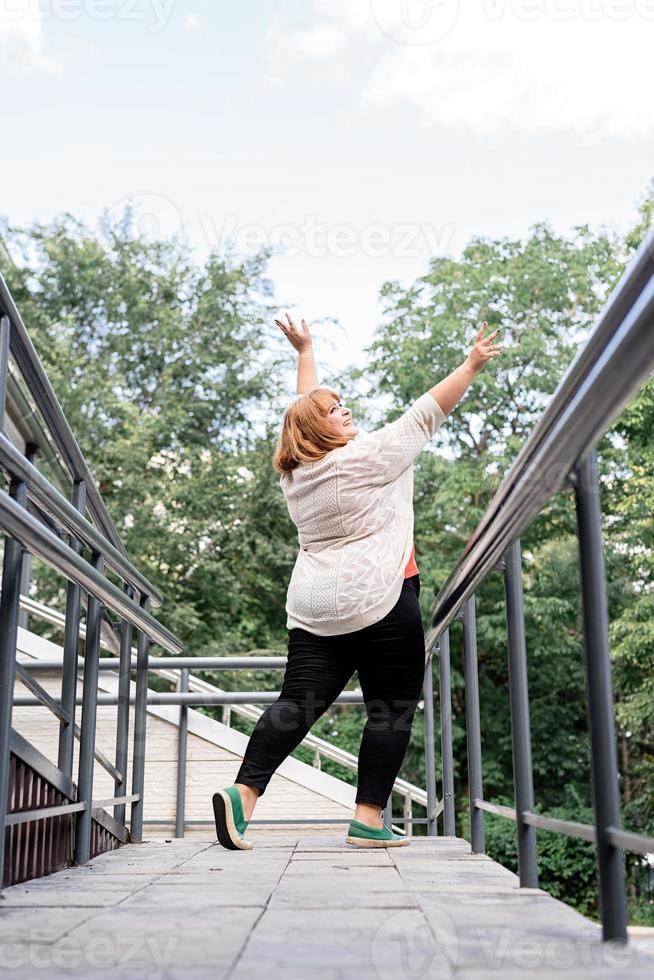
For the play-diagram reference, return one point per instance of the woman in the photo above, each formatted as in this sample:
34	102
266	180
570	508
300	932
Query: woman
352	601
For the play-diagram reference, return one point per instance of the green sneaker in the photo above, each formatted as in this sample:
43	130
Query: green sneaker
230	822
362	835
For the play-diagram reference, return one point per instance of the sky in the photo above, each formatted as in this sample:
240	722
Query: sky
360	137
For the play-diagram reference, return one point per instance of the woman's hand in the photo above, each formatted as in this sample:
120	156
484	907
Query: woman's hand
299	337
483	348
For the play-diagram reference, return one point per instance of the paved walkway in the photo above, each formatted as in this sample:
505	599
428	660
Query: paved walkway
311	907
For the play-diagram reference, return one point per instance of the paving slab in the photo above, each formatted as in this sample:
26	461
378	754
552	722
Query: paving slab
303	908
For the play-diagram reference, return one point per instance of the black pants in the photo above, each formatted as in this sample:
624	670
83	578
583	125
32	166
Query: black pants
389	657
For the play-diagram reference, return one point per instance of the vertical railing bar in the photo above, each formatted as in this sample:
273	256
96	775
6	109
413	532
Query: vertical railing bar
9	610
447	753
122	714
140	728
26	571
387	812
430	754
71	647
5	337
519	704
182	742
88	721
604	762
473	726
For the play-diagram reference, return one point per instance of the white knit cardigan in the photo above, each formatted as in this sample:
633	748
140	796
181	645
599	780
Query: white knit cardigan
353	510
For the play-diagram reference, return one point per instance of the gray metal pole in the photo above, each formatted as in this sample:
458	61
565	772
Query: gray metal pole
122	715
140	728
473	727
182	741
606	800
71	648
82	849
447	754
519	702
430	759
26	570
9	609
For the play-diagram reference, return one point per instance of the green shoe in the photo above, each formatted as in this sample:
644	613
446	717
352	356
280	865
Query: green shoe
362	835
230	822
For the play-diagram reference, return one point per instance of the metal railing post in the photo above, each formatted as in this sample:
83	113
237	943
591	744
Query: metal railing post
122	715
447	754
71	648
182	742
82	849
26	570
408	814
473	726
9	610
140	728
604	763
387	813
430	755
519	704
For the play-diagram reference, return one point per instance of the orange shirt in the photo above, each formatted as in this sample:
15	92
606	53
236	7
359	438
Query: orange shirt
411	568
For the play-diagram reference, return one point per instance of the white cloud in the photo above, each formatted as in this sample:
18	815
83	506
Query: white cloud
545	75
192	24
23	48
579	67
319	42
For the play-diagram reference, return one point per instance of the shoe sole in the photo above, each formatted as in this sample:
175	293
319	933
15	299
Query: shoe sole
371	842
226	830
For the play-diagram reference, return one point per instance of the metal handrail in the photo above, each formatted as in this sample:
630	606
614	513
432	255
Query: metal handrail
33	372
43	493
614	362
56	530
21	526
559	453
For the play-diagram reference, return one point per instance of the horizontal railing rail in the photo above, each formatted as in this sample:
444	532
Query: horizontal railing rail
36	380
42	492
559	454
169	668
37	539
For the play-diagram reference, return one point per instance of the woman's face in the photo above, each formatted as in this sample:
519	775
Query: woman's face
339	419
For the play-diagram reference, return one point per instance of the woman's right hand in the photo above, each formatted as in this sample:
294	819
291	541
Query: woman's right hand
483	348
299	337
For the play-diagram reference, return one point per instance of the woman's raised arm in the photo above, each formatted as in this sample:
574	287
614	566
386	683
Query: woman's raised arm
307	376
451	389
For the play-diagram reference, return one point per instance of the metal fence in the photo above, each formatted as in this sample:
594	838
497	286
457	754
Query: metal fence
560	453
38	519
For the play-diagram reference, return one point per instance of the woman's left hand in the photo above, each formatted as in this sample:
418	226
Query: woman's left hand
298	336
